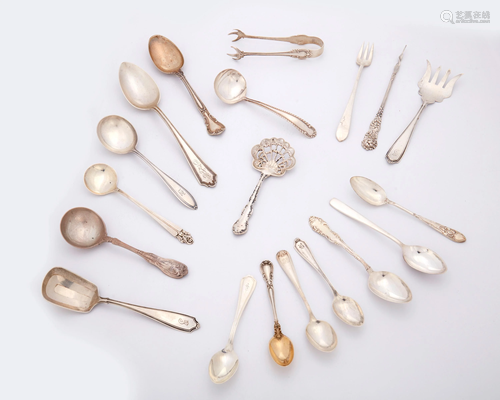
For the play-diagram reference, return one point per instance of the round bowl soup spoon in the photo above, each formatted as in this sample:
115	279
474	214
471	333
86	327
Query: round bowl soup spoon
386	285
101	179
141	91
375	195
84	228
280	346
319	333
68	290
169	60
224	363
418	257
231	87
344	307
119	136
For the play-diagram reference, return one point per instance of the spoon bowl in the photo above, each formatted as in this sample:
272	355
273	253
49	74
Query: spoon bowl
281	349
83	228
165	54
223	366
389	286
138	87
348	310
117	134
101	179
230	86
369	191
321	335
423	259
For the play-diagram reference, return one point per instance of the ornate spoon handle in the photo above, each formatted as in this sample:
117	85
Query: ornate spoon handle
171	268
214	127
247	287
181	193
181	322
204	175
170	227
267	270
303	126
240	227
451	234
345	121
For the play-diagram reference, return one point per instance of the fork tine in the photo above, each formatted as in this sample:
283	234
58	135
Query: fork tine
427	74
361	51
366	51
435	77
451	83
370	57
443	80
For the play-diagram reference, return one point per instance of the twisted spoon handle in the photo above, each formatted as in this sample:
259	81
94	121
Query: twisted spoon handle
181	193
247	287
181	322
240	227
451	234
303	126
214	127
171	268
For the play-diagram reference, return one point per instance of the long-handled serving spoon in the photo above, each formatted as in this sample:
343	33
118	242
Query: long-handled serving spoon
142	92
319	333
84	228
418	257
224	363
101	179
119	136
168	59
280	346
375	195
347	309
68	290
386	285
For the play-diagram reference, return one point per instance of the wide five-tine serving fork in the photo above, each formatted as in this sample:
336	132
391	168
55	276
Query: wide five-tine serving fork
430	92
363	60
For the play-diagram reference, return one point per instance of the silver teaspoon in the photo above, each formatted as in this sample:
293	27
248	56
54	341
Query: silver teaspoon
386	285
344	307
319	333
141	91
375	195
101	179
224	363
420	258
119	136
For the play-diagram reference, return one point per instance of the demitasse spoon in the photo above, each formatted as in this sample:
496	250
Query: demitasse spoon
101	179
386	285
224	363
119	136
141	91
280	346
68	290
344	307
168	59
231	87
375	195
418	257
319	333
84	228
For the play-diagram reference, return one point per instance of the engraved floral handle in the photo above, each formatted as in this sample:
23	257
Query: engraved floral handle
345	121
240	227
303	126
202	172
247	287
175	230
171	268
370	140
451	234
181	193
181	322
397	150
214	127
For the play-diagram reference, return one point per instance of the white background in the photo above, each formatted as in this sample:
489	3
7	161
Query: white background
60	77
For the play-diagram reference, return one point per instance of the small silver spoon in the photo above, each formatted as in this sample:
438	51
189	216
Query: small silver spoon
231	87
386	285
119	136
375	195
418	257
101	179
347	309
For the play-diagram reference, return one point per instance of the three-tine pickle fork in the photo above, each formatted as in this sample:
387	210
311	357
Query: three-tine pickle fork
430	92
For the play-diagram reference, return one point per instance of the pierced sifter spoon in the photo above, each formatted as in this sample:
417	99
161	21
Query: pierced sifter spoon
119	136
386	285
347	309
375	195
418	257
101	179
